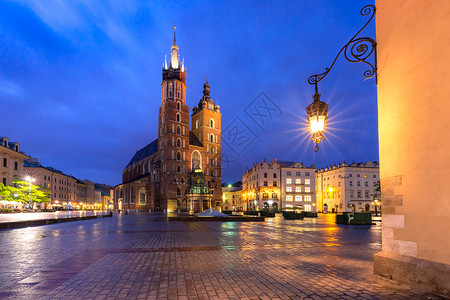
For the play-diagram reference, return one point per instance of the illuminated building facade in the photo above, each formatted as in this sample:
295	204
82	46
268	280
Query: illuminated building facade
157	176
347	187
11	161
298	186
63	187
232	198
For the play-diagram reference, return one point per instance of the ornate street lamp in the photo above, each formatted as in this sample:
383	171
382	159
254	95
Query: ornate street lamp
29	179
356	50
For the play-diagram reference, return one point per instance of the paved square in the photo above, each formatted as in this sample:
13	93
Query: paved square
143	256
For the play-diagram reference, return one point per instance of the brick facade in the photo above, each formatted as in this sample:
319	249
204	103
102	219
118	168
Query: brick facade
157	176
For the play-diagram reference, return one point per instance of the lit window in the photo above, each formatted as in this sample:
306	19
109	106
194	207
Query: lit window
298	198
289	198
298	189
289	189
298	181
307	198
288	181
307	181
307	189
307	207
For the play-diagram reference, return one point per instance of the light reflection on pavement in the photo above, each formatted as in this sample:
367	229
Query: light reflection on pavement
15	217
145	256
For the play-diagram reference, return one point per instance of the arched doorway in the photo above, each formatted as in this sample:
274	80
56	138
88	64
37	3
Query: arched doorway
275	206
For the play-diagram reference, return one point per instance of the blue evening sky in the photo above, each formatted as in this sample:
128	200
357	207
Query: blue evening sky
80	80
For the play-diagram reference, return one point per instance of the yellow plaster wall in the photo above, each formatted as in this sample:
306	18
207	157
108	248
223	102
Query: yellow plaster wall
413	39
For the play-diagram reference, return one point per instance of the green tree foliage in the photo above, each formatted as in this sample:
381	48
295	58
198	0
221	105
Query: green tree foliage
377	191
20	192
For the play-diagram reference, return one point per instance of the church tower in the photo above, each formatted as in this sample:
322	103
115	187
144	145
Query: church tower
206	125
173	131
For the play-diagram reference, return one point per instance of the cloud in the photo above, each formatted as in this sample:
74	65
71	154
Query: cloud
11	89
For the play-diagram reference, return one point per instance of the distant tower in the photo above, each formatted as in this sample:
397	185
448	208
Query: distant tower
206	125
173	130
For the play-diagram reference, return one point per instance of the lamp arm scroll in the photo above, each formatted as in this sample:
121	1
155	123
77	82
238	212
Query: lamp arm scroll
356	50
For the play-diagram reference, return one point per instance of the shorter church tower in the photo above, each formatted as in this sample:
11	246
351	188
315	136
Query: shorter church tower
206	125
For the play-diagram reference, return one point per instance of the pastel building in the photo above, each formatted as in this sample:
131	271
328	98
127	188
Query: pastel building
63	187
232	198
11	161
297	186
347	187
261	186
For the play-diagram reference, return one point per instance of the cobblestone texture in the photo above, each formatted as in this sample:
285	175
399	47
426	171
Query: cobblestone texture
142	256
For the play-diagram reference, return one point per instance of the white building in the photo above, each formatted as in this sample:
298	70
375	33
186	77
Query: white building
232	198
345	187
298	186
261	186
279	184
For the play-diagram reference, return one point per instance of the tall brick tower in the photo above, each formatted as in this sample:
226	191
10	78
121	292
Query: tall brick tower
173	131
206	125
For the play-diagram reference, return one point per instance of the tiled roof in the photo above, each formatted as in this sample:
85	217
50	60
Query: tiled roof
285	163
147	151
38	165
193	140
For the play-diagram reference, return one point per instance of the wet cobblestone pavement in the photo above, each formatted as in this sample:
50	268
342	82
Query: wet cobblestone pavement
142	256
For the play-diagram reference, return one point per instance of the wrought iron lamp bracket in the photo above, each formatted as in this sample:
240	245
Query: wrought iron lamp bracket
356	50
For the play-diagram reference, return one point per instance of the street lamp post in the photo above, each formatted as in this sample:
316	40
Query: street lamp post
29	179
356	50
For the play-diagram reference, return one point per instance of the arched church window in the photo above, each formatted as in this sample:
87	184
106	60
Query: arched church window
178	105
178	143
211	123
178	117
178	155
196	160
170	89
178	129
196	124
178	90
212	138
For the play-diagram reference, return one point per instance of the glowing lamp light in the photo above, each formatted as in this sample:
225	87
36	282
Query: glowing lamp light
270	202
317	114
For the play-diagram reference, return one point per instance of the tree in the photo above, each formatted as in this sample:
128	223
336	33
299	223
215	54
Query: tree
20	192
9	193
377	191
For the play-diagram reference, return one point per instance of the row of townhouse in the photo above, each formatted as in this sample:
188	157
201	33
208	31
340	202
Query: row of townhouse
279	184
288	184
66	191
